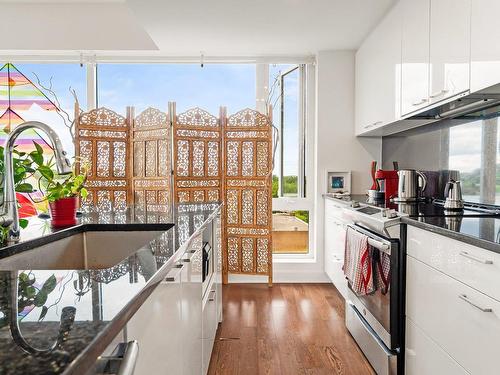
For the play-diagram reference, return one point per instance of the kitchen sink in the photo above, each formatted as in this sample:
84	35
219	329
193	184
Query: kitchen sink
81	251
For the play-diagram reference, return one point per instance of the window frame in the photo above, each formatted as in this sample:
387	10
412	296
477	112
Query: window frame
305	200
302	120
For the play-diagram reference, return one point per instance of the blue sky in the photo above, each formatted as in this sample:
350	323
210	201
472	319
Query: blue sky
144	85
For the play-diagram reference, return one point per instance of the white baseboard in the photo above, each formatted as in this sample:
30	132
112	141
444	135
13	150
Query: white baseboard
282	277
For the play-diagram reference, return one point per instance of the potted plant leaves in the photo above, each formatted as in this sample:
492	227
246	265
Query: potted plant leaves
23	171
62	193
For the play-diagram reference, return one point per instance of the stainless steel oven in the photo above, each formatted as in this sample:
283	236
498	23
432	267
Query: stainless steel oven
376	320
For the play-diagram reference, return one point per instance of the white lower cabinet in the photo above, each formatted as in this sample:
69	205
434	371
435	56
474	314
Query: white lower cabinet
176	326
424	357
476	267
463	321
334	242
191	325
156	328
209	326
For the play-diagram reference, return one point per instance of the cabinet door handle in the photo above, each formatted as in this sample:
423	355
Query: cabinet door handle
421	101
477	259
372	125
121	362
129	359
439	93
174	273
464	297
211	297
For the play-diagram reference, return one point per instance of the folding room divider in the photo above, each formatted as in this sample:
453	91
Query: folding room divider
102	139
151	160
197	156
211	159
248	193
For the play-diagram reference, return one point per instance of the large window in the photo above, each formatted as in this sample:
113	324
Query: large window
189	85
34	90
288	98
291	208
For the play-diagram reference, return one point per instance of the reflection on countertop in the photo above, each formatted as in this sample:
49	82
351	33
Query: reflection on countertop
64	315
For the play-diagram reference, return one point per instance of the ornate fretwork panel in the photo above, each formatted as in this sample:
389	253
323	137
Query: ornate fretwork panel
151	134
248	187
102	142
197	157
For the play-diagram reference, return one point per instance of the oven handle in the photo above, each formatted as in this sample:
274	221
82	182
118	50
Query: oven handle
380	245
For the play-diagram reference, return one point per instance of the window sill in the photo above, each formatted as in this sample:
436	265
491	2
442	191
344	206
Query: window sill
290	259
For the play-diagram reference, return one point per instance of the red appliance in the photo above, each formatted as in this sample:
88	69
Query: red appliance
388	181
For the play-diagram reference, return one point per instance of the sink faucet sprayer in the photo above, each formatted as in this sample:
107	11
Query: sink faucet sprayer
9	215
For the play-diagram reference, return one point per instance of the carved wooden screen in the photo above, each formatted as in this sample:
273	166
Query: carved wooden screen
197	157
102	139
248	193
151	167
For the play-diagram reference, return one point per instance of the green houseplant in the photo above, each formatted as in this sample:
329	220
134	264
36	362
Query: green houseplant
23	172
62	193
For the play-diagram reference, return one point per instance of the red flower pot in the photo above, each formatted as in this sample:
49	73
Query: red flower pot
63	212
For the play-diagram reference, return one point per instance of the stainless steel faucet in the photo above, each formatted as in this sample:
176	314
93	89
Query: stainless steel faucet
9	215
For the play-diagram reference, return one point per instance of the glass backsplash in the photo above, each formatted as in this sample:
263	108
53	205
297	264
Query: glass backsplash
471	148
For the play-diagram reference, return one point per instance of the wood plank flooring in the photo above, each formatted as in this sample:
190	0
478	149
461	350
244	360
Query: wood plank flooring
287	329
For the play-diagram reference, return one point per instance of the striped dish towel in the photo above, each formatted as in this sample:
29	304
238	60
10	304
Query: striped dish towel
382	263
358	263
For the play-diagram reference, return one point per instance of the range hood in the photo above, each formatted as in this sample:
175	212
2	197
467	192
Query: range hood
466	106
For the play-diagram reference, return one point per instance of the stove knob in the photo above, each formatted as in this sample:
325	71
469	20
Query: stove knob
355	204
391	214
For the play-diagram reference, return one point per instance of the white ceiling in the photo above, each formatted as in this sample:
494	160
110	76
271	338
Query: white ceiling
189	27
257	27
71	26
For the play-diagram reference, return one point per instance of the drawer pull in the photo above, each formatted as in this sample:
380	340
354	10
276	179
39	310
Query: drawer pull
470	256
211	297
439	93
464	297
420	102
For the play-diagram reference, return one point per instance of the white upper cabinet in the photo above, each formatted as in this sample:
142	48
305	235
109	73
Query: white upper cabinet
415	55
485	46
378	75
449	48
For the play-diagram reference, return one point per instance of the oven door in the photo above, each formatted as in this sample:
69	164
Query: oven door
382	308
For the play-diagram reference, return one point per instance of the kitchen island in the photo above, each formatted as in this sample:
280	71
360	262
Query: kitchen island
69	317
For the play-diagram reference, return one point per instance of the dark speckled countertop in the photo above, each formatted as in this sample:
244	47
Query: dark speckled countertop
481	231
102	300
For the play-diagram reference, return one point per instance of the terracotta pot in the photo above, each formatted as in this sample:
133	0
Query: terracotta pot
63	212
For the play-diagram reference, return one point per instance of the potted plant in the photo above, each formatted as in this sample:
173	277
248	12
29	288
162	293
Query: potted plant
62	193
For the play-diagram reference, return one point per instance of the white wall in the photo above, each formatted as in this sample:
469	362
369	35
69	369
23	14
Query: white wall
336	149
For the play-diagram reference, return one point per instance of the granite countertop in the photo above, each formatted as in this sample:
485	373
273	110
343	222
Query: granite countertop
100	300
478	231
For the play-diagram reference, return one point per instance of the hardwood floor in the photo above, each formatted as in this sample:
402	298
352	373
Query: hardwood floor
287	329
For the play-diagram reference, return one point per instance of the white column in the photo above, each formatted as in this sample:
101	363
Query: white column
261	86
91	85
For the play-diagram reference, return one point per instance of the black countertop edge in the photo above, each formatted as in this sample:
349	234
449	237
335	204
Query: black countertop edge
471	240
86	359
26	245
